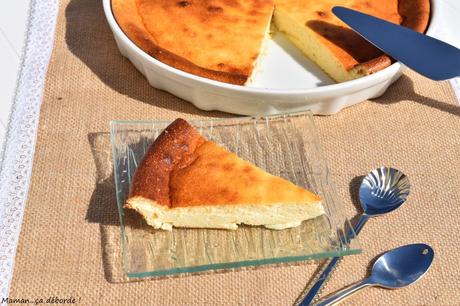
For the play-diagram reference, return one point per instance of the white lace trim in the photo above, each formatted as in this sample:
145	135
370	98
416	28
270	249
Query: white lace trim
19	147
456	85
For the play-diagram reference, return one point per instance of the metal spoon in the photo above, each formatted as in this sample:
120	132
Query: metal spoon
395	269
382	191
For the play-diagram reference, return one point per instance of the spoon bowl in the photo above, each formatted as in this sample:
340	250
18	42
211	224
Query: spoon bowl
383	190
402	266
397	268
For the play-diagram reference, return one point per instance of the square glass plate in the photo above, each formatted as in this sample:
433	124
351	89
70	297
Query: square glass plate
285	146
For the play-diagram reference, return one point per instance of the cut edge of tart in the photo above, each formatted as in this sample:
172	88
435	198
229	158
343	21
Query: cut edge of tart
185	180
340	52
225	216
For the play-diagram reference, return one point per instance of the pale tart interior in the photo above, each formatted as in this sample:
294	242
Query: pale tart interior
274	216
327	41
309	43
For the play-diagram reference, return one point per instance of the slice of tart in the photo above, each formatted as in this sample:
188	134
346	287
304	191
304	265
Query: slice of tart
332	45
219	40
185	180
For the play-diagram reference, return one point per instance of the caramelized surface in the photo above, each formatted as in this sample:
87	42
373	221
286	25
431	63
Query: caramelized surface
217	176
218	39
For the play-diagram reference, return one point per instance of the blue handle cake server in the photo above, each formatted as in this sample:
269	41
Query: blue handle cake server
426	55
382	191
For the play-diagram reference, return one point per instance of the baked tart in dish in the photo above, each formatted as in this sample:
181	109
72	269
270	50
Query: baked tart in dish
224	40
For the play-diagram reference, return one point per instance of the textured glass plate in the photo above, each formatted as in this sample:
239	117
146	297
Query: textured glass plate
286	146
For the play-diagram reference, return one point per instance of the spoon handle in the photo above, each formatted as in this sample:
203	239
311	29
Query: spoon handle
359	225
342	294
320	281
329	267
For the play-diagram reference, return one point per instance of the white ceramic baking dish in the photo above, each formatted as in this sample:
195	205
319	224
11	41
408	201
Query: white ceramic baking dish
282	84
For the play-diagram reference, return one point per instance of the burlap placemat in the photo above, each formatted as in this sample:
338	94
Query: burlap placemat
70	227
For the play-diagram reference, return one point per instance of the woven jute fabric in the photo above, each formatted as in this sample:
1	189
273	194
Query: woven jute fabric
70	238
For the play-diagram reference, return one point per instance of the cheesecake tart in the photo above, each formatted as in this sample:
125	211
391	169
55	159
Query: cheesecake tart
185	180
223	39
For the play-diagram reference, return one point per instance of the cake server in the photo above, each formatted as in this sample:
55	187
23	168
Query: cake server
382	191
426	55
395	269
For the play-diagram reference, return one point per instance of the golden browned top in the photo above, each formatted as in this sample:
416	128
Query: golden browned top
174	146
347	46
183	169
218	39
